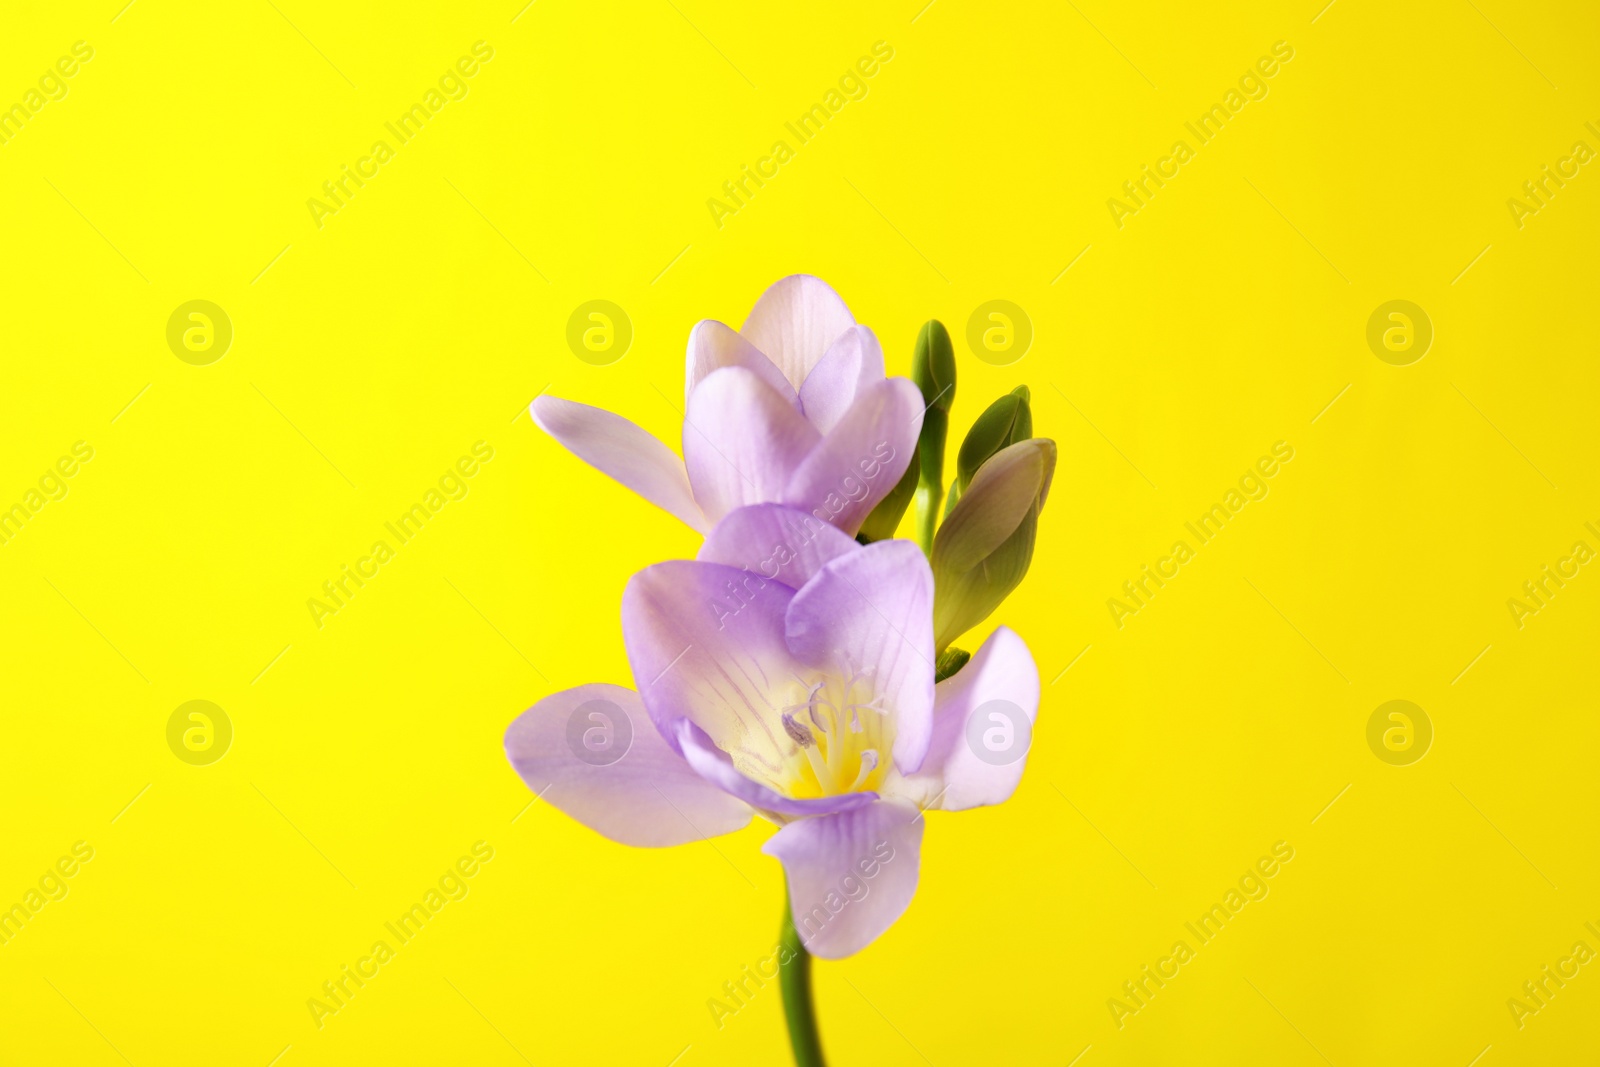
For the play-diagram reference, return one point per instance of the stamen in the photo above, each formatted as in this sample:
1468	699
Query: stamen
797	731
819	767
869	763
838	746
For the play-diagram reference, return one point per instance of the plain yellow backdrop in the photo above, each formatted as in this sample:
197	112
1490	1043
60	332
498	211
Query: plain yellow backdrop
370	352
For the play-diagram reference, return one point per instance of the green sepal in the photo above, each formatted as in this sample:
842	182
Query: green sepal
950	661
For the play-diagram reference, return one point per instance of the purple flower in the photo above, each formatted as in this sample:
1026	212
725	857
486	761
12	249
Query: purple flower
793	409
789	672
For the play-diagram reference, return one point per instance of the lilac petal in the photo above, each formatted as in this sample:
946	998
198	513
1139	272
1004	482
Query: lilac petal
715	766
714	345
999	682
776	542
647	796
872	611
705	642
741	441
614	446
850	875
794	322
862	457
851	363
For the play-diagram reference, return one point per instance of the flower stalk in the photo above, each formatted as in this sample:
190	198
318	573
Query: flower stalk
933	369
794	978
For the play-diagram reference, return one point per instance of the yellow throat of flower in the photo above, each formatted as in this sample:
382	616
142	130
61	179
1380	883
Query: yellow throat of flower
843	736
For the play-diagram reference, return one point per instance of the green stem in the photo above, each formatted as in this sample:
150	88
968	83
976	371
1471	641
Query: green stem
794	977
927	502
930	475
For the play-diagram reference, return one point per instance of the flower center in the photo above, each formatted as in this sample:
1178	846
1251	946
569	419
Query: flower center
842	734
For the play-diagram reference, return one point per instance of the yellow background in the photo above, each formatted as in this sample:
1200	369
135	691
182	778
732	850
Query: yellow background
424	316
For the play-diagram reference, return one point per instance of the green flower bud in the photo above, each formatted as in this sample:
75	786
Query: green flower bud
885	518
1002	424
951	660
933	367
984	547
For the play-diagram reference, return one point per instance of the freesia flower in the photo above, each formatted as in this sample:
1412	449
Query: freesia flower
792	409
788	672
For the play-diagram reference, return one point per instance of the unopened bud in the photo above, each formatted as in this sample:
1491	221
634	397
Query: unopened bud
984	547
